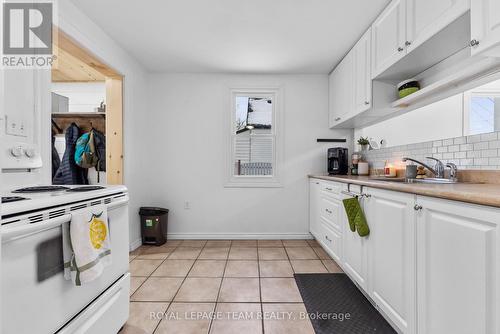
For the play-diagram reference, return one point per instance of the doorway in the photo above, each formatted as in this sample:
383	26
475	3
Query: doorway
87	96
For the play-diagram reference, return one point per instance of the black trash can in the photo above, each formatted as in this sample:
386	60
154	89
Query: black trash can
153	225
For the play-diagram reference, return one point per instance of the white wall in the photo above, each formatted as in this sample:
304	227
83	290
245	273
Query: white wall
439	120
182	148
83	96
73	22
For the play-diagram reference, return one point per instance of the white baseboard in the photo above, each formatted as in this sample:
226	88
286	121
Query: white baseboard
239	236
135	244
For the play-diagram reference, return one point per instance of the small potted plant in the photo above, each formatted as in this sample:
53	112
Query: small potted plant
364	143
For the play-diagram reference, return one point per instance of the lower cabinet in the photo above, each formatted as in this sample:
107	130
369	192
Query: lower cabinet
431	266
354	254
391	255
314	193
458	279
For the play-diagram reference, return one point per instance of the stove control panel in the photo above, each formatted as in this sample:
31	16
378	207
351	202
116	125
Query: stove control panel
21	156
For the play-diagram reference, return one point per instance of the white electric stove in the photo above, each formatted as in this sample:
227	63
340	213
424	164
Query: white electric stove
32	280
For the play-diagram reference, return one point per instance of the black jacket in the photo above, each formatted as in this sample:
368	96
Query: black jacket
69	172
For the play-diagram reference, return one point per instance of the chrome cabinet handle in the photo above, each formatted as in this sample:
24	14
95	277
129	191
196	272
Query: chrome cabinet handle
407	43
474	42
337	119
367	103
417	207
328	211
400	49
328	239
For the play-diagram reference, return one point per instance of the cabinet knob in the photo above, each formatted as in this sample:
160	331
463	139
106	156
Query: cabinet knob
474	42
417	207
407	43
326	237
400	49
367	102
337	119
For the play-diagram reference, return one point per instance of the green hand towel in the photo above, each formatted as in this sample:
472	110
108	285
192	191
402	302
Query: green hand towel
356	217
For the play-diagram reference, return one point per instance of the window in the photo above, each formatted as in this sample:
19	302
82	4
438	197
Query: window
254	154
481	112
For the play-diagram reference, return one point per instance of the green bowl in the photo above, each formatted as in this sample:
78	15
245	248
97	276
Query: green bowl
408	91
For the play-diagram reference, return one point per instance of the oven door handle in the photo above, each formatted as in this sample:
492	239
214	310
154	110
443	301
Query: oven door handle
17	232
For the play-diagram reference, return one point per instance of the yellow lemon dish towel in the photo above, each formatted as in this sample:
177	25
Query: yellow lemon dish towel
86	244
356	217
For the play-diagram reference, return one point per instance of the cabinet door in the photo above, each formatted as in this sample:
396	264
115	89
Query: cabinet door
485	26
354	256
341	90
362	71
391	255
458	281
425	18
389	37
314	198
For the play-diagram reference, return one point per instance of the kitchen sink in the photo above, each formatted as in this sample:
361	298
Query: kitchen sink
411	181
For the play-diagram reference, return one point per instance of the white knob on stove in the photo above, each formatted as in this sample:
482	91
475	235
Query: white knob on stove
30	152
16	151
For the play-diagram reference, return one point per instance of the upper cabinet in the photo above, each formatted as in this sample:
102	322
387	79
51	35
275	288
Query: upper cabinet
485	27
388	37
350	83
425	18
341	90
447	45
362	73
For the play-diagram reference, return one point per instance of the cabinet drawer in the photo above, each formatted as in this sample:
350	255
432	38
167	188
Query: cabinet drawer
329	211
331	240
331	188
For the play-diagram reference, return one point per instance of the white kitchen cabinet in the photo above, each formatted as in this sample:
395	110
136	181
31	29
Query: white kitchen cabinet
314	195
362	73
425	18
354	254
485	27
341	93
391	255
331	240
458	280
389	37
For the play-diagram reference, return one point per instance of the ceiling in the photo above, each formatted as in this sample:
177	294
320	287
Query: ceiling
235	36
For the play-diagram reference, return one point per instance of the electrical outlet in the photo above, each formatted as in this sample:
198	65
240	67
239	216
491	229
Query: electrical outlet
187	205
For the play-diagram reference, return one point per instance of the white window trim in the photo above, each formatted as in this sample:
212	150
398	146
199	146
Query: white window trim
250	181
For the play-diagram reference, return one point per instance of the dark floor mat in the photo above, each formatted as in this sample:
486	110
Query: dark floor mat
333	297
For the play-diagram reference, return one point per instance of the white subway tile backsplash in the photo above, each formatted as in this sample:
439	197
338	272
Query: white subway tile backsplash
466	147
470	152
443	149
474	139
481	146
489	136
489	153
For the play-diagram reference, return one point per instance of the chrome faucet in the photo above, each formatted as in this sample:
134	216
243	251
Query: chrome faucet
421	163
453	171
439	167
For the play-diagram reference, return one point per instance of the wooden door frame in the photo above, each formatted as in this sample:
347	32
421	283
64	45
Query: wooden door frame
87	62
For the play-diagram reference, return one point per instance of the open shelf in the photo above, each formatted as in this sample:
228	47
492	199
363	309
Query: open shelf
78	114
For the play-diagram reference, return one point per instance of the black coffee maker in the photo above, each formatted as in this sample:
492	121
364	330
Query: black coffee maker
338	162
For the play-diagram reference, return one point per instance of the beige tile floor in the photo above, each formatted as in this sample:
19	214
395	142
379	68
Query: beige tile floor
222	286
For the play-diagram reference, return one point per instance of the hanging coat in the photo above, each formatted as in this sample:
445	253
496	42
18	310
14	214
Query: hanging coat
56	161
69	172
